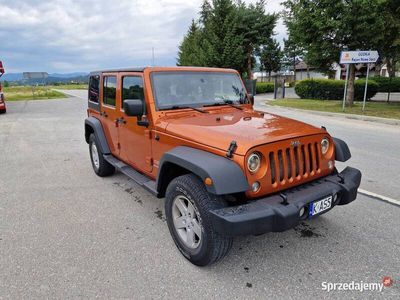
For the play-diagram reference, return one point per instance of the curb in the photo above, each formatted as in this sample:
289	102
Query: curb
387	121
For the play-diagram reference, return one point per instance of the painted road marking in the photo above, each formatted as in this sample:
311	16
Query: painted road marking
380	197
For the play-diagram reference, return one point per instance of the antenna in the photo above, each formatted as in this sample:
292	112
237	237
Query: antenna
152	60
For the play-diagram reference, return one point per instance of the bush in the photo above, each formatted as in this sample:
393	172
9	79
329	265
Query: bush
359	88
327	89
386	84
264	87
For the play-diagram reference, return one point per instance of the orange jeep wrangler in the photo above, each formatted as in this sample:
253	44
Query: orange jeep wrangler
191	135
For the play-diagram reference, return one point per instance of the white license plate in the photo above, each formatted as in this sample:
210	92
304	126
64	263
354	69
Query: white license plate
320	206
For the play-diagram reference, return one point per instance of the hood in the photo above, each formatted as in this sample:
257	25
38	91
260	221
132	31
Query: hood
249	128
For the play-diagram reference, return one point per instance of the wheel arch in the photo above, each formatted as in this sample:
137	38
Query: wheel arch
93	125
226	175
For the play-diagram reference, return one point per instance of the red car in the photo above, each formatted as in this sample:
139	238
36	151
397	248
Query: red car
2	100
2	103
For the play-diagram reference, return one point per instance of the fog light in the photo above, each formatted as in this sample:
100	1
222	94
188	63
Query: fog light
302	212
256	186
331	164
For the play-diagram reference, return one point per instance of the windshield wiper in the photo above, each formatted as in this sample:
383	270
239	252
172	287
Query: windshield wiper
225	102
185	107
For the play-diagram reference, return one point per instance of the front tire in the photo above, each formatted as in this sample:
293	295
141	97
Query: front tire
187	209
100	166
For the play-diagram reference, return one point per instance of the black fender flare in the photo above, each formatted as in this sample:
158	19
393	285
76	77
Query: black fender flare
95	124
226	175
342	151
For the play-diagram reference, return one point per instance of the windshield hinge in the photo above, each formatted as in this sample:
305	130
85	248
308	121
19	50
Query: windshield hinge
231	149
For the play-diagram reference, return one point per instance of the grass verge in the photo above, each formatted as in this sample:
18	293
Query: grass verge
18	93
70	86
375	109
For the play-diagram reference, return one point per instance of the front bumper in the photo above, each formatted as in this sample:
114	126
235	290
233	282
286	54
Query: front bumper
273	214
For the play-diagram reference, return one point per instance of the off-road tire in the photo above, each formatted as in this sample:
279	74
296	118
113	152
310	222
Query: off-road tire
3	111
104	167
213	246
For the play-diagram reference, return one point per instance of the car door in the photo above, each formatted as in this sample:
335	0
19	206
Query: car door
109	112
135	140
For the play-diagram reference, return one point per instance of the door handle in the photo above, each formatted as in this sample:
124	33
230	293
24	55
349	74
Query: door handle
120	120
104	114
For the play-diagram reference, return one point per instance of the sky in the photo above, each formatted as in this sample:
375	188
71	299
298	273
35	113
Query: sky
63	36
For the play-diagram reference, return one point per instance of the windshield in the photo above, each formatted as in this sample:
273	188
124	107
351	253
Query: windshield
196	89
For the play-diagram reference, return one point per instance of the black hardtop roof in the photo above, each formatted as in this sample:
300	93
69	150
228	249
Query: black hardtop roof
141	69
133	69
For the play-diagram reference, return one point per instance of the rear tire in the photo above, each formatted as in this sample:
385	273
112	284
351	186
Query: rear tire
187	209
100	166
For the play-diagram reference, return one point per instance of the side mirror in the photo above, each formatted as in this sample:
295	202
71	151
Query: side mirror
251	99
133	107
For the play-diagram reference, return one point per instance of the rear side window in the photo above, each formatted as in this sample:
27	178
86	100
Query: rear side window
132	88
94	88
109	90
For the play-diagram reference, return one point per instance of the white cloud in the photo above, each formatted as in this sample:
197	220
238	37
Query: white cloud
81	35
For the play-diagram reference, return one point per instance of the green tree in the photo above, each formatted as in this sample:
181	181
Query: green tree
389	49
227	35
270	57
190	50
292	54
256	28
325	27
223	44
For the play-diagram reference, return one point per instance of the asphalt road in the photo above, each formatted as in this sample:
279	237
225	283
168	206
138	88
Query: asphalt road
66	233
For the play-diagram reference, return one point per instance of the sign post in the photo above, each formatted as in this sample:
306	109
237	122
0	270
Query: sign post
357	57
366	87
345	85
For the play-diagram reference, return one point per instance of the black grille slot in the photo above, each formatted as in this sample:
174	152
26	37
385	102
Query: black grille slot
288	163
316	156
310	160
280	161
272	166
303	155
296	160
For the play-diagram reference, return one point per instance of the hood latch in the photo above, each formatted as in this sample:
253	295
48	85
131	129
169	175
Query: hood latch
231	149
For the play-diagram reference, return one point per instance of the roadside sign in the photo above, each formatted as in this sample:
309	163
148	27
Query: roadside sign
35	75
358	57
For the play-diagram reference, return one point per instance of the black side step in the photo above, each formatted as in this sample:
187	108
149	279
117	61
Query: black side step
139	178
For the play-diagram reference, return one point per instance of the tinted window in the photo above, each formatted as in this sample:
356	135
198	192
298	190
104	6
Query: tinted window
109	90
94	88
132	88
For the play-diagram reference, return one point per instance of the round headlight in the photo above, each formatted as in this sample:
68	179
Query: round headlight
324	145
254	162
